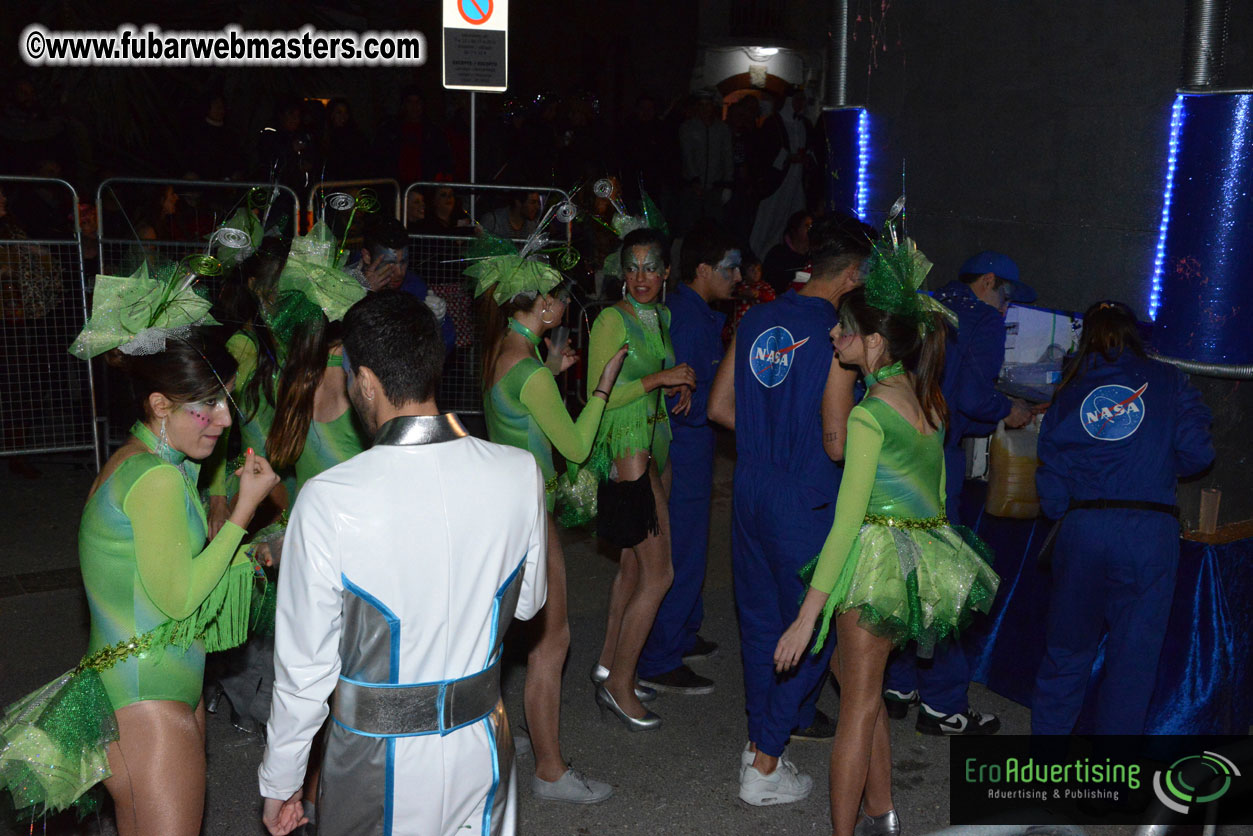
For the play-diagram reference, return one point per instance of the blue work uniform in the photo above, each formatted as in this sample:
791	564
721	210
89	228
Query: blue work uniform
1121	430
696	334
973	357
784	501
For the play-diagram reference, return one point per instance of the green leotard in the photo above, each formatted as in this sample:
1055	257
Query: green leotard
891	552
328	444
144	560
524	409
631	415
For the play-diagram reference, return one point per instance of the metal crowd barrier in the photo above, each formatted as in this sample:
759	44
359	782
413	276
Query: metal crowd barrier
47	397
439	259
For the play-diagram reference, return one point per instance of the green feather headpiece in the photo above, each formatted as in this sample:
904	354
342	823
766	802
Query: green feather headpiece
314	269
496	265
897	271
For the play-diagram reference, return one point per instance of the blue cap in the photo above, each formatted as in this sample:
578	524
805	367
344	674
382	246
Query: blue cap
1003	267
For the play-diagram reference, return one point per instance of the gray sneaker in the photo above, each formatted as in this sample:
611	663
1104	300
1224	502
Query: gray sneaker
783	786
571	788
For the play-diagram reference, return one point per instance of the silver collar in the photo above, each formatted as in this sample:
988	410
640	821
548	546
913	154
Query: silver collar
420	429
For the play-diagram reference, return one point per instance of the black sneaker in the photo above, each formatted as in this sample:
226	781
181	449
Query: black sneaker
822	728
967	722
700	649
898	703
681	680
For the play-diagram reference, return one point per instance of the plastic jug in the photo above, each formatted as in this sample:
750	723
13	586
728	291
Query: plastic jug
1011	472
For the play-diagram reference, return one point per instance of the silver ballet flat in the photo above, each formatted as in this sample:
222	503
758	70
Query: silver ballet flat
886	824
608	705
642	692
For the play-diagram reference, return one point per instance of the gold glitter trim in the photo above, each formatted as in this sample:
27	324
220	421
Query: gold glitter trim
896	522
107	657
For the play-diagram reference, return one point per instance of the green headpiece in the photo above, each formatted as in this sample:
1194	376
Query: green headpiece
137	314
624	224
237	238
314	269
496	265
897	270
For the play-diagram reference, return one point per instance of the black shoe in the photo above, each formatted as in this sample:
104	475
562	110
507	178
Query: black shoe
681	680
898	703
822	728
700	649
967	722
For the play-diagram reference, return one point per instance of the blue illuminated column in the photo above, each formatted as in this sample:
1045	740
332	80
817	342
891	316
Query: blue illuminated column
1201	298
847	130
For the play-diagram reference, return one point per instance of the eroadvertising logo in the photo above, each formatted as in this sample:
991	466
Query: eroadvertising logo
1159	779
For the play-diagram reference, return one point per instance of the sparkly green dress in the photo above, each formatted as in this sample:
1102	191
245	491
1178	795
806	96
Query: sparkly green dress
159	597
327	444
524	409
633	418
892	553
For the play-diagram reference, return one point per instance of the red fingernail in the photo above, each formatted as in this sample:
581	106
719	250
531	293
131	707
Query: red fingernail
250	451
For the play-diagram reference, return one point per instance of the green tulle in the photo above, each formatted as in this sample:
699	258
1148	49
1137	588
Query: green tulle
575	498
919	585
625	430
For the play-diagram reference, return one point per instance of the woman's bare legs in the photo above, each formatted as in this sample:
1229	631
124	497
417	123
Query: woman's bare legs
623	588
158	767
545	661
655	575
861	754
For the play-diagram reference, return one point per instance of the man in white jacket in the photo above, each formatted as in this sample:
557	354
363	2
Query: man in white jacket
401	570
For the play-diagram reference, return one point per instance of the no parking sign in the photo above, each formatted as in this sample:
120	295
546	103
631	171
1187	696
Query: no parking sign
476	45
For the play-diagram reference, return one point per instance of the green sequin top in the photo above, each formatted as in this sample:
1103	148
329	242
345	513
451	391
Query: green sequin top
146	567
631	415
524	409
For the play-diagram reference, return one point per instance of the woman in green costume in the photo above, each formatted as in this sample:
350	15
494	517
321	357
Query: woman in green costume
892	569
159	595
632	445
524	408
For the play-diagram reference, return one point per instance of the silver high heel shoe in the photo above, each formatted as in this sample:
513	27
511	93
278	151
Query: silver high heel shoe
885	824
642	692
608	705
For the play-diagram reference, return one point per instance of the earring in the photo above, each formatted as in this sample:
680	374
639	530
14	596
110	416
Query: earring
624	288
543	317
163	448
663	292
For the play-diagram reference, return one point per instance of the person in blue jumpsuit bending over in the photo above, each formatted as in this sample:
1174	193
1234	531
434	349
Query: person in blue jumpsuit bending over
788	400
1121	430
710	270
980	296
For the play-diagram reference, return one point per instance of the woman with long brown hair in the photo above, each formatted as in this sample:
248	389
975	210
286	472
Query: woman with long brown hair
524	409
892	569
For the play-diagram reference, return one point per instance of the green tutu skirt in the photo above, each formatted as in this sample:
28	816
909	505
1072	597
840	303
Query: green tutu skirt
920	584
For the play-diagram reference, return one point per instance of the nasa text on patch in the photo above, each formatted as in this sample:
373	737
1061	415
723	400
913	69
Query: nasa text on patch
1113	412
772	354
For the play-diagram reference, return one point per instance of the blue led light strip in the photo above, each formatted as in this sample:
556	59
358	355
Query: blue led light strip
1176	123
862	197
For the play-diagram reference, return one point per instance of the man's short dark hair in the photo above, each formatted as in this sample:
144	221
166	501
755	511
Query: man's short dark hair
385	232
796	220
706	243
837	242
397	337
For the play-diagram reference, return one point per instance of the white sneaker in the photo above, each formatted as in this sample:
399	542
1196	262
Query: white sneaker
747	756
782	786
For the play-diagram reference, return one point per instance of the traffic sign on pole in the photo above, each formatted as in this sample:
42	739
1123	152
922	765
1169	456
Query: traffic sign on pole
476	45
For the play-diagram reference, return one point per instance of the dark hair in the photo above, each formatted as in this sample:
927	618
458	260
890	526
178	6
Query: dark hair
706	243
838	242
646	237
922	353
398	338
254	279
796	220
495	321
190	369
1109	329
385	232
308	347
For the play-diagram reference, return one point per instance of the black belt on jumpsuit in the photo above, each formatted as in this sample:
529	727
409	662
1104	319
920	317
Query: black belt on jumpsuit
1046	548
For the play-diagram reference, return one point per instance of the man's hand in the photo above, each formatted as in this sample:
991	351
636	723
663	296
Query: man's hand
282	817
1019	415
380	274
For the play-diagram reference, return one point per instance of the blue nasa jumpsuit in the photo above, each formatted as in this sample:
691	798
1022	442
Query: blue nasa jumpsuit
696	334
972	360
784	501
1121	430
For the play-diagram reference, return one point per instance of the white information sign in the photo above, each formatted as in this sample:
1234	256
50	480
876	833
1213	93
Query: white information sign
476	45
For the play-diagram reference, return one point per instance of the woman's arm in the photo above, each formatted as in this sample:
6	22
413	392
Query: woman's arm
721	406
609	335
177	571
573	439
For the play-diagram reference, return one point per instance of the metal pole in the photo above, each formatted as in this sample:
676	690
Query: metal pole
473	146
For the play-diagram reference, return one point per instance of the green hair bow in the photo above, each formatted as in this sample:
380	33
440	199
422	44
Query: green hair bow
137	314
897	271
314	269
497	265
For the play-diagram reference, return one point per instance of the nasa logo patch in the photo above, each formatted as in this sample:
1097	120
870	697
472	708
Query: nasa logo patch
1113	412
772	354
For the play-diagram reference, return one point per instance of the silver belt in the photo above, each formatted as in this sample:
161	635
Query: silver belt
394	710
